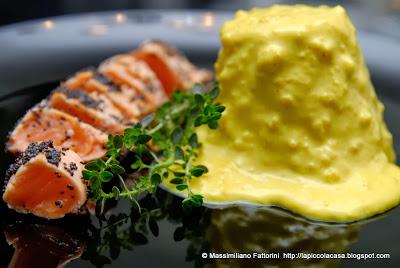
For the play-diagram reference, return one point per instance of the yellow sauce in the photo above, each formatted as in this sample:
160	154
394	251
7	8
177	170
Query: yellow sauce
303	128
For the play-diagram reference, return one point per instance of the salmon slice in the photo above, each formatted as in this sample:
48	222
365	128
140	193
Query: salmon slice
42	123
151	86
80	79
92	108
46	182
171	67
90	80
132	105
131	73
127	101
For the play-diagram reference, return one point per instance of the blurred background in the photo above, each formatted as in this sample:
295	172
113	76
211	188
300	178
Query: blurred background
375	15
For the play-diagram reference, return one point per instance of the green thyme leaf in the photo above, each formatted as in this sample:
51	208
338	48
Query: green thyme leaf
117	169
106	176
86	174
176	181
136	165
115	191
143	138
198	98
101	164
213	124
179	174
199	170
92	166
155	179
117	141
181	187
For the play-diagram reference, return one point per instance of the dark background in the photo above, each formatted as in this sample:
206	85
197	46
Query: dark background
382	15
18	10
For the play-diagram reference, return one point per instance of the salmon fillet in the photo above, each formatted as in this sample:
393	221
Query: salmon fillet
129	102
46	182
171	67
92	108
42	123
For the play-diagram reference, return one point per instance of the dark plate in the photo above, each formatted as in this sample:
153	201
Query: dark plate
36	54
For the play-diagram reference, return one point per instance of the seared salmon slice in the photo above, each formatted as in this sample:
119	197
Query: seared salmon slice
151	87
46	182
90	80
80	79
131	73
92	108
42	123
172	68
132	105
129	102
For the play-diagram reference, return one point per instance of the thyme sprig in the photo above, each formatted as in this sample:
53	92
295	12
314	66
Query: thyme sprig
164	146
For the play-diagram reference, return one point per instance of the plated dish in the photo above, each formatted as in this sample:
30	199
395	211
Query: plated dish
45	148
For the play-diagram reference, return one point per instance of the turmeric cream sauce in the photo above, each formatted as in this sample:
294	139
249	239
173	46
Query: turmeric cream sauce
303	128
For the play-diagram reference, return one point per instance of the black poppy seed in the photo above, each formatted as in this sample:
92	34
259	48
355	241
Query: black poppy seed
59	203
73	166
70	168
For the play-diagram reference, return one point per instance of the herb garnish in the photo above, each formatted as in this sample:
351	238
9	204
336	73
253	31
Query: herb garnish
164	146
